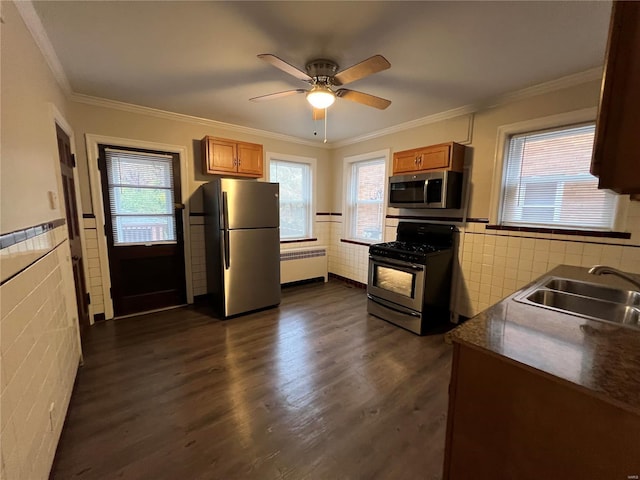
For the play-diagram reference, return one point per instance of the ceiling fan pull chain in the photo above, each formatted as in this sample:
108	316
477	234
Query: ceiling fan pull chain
325	125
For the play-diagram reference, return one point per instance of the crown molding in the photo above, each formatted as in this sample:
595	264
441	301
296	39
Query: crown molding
436	117
34	25
548	87
180	117
528	92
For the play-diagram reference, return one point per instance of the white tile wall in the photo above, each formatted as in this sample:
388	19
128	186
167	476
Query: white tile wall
40	356
94	282
495	263
349	260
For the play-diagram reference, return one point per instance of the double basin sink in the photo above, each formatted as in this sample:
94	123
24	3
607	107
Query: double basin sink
584	299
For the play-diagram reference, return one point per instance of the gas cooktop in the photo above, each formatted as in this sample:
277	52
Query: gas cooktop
415	242
410	247
408	251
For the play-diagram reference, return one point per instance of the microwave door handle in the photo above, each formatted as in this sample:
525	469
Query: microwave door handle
425	194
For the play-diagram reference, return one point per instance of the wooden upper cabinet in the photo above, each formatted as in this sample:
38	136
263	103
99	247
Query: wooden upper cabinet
222	156
250	159
445	156
616	156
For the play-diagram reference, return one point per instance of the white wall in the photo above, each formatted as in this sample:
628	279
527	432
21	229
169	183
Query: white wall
38	325
486	272
146	125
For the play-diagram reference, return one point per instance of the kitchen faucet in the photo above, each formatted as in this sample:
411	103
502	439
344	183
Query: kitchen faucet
603	270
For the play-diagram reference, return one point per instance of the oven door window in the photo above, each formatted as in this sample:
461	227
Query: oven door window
394	280
407	192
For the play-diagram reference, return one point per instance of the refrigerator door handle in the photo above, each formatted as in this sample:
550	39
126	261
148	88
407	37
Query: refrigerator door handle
225	226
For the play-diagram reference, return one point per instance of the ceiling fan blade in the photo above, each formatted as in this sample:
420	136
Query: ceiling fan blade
367	67
285	67
363	98
273	96
318	113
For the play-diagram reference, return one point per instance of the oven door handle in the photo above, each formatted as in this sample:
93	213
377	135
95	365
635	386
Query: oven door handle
410	266
392	306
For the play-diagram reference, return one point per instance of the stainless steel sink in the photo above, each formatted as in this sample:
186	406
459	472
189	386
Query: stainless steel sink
584	299
593	290
587	307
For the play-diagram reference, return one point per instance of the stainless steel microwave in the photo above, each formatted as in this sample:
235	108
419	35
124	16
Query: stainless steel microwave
441	189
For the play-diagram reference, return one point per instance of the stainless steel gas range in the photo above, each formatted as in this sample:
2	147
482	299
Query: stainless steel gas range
410	279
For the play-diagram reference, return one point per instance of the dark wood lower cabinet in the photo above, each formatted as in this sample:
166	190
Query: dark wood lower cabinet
506	421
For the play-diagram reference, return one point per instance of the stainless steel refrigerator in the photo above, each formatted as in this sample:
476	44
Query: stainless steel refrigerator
242	243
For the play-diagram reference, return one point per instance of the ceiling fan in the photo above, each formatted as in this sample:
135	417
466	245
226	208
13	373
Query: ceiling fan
323	74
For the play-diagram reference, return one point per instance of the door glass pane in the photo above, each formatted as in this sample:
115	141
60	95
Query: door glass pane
141	197
139	229
392	280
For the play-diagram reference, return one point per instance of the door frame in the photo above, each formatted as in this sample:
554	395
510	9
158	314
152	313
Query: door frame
57	118
92	141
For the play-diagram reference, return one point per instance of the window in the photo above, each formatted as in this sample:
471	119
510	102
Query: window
295	197
140	187
365	197
547	181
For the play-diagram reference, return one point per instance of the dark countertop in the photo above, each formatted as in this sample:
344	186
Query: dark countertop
600	358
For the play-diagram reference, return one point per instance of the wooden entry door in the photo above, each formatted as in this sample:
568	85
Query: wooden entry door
144	230
67	163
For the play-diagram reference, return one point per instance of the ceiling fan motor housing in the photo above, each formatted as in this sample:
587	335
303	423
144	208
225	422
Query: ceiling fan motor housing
322	70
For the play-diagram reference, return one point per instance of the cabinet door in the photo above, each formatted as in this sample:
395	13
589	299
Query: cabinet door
434	157
405	162
222	156
250	159
616	151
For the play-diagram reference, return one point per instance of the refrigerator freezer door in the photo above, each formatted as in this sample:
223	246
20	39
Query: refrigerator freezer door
252	276
251	204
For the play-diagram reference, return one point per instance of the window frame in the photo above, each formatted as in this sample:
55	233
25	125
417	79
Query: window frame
348	189
311	208
552	122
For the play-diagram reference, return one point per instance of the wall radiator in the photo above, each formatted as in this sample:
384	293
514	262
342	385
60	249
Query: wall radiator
303	264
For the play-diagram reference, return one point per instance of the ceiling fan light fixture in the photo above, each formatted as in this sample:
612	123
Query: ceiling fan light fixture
321	96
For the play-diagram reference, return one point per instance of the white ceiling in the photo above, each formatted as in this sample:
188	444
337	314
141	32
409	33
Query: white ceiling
199	58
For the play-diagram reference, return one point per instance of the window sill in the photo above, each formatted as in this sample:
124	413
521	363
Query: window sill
357	242
561	231
299	240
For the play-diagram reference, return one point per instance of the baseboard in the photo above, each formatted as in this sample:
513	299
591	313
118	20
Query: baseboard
348	281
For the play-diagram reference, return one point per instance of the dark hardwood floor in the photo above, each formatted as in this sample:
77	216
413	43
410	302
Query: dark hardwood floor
314	389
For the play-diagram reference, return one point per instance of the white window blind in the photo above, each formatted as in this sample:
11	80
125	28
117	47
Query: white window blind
547	181
365	203
140	197
295	197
